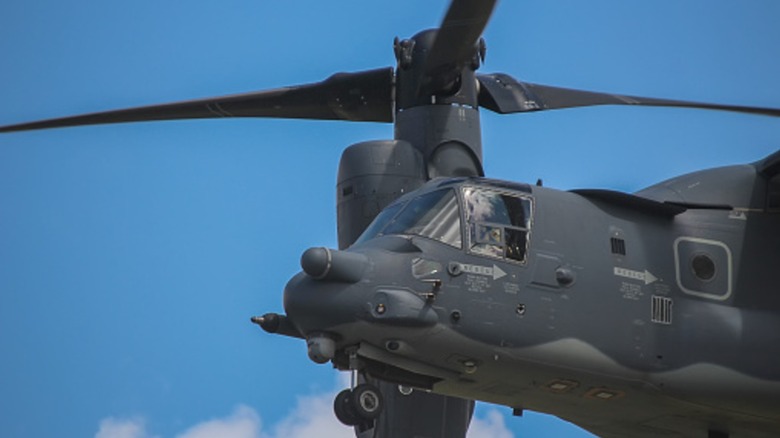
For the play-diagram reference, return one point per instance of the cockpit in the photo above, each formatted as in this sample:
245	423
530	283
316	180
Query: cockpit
497	217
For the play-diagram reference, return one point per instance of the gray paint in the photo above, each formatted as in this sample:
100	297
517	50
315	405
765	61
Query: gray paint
714	363
605	320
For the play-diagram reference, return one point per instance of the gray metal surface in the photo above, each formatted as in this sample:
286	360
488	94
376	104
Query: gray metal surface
644	314
635	344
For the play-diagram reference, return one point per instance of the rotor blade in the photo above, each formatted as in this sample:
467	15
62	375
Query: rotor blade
364	96
456	39
504	94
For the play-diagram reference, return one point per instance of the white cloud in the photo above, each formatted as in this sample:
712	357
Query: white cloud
492	426
312	417
122	428
242	423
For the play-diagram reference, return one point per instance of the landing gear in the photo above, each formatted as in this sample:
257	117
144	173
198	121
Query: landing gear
367	401
345	409
359	406
362	403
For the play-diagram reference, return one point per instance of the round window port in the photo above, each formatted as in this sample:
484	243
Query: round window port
703	267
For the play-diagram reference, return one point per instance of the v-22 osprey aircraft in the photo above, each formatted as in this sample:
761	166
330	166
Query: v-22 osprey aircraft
643	315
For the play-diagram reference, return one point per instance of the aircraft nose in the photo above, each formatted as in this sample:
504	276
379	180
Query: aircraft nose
340	297
325	295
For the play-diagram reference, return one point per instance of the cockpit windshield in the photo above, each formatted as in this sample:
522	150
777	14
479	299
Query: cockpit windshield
496	220
434	215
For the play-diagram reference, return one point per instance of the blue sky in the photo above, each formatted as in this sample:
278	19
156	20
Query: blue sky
132	256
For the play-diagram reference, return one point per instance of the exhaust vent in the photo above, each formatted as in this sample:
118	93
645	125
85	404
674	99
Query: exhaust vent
618	246
661	312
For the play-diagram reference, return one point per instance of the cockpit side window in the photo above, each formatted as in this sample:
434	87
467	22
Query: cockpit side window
498	223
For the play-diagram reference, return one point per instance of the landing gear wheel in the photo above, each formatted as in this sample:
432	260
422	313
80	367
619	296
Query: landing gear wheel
345	409
367	401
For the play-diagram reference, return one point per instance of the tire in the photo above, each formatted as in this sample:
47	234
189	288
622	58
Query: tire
367	401
344	409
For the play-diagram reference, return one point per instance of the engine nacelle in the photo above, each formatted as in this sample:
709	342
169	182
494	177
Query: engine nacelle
372	175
